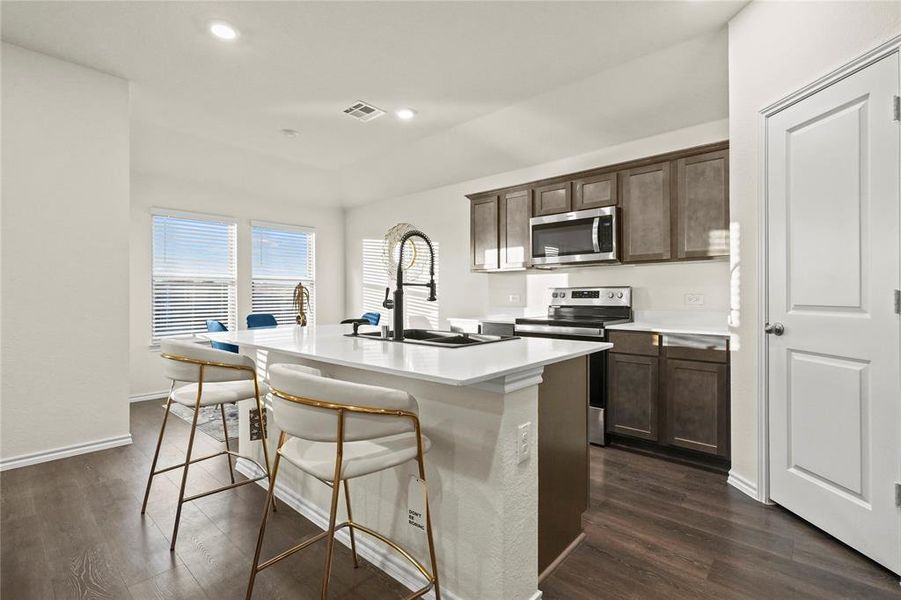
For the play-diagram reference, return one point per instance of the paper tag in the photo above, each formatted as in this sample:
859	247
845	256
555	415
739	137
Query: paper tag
416	503
257	425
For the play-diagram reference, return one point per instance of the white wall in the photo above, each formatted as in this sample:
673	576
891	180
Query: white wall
776	48
157	190
65	188
443	213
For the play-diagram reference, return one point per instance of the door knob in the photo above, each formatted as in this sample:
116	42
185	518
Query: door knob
774	328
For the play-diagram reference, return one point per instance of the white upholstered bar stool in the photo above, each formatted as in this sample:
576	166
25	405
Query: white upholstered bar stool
337	430
214	377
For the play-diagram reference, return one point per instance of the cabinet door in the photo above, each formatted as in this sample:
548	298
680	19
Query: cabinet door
646	213
484	232
632	399
696	406
516	247
594	191
552	199
702	205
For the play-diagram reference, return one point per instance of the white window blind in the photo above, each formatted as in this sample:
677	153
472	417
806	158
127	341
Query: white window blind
375	280
282	257
194	274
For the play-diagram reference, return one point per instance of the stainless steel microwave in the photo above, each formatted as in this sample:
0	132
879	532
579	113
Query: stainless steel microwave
572	238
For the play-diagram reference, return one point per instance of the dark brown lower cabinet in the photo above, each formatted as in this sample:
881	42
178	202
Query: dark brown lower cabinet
562	457
696	412
633	395
670	395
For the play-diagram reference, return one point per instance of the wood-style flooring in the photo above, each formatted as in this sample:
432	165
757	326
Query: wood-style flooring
72	529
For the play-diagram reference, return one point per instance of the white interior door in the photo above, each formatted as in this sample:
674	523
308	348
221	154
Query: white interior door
834	261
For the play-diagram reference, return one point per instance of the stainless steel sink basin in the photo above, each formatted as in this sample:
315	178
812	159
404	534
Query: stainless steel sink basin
441	339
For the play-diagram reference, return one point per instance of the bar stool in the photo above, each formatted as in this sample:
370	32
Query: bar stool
214	377
337	430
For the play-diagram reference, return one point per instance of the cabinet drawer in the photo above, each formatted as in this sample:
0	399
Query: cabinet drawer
635	342
707	348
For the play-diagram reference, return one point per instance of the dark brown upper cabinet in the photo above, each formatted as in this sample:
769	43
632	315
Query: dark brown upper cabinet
674	207
702	205
595	191
696	405
484	238
551	199
515	237
646	213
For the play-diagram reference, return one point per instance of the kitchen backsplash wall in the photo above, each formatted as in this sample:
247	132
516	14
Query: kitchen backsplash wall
690	286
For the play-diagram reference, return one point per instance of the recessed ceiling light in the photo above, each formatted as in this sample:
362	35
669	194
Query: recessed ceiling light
291	133
405	114
224	31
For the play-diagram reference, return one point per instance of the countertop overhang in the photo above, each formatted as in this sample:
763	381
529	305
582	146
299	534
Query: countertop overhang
450	366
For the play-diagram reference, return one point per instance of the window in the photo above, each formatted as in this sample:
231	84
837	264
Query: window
283	256
375	280
193	273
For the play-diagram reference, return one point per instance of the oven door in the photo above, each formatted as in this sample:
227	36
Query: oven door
575	237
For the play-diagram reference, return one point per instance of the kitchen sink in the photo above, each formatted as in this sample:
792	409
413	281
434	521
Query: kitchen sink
440	339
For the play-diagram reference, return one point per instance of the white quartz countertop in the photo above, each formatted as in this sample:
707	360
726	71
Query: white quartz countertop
488	319
452	366
661	328
675	322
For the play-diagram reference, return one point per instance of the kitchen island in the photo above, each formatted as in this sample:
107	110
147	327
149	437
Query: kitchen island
477	404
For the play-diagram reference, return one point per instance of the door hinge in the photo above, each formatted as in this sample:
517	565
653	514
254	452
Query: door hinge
898	494
896	108
898	302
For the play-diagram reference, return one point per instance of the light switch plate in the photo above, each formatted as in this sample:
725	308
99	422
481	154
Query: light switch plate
514	299
694	299
524	442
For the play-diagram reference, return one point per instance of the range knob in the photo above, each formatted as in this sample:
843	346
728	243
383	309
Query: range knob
619	294
610	294
554	295
563	294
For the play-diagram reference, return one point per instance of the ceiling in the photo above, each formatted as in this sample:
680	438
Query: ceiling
299	64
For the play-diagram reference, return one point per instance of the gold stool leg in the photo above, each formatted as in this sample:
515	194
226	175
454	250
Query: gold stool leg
263	437
156	453
269	496
184	476
428	526
350	518
333	513
231	469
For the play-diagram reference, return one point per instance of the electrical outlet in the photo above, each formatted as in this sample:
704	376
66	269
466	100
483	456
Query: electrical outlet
694	299
524	442
514	299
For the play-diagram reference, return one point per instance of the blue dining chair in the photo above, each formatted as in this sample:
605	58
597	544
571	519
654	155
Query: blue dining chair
259	320
214	325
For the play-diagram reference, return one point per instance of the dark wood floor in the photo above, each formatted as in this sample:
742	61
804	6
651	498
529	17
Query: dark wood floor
72	529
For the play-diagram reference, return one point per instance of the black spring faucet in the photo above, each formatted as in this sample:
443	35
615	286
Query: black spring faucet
398	304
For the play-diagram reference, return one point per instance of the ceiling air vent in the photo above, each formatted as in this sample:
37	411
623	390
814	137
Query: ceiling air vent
363	111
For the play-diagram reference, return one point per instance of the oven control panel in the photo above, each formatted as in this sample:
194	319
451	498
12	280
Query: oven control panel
593	296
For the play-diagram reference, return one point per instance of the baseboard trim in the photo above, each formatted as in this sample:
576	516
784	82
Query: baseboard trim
161	395
58	453
556	562
376	553
743	485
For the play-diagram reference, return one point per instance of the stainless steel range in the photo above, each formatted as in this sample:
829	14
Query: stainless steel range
584	313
